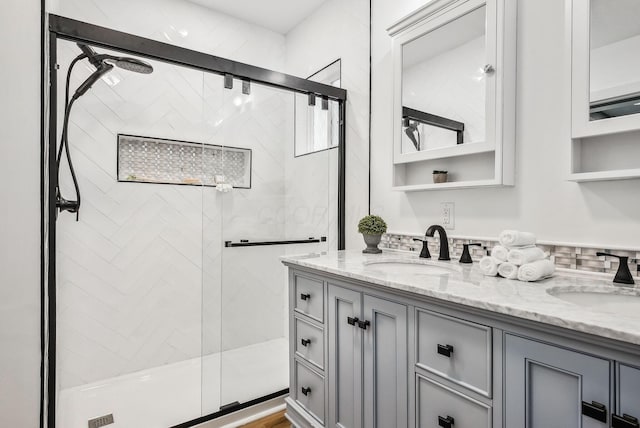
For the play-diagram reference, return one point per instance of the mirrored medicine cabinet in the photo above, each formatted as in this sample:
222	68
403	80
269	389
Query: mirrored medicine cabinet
605	89
454	95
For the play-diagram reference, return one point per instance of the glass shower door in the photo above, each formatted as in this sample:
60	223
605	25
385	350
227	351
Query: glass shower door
272	203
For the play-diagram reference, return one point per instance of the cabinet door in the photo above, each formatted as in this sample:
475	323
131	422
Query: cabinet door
628	397
385	364
345	358
549	387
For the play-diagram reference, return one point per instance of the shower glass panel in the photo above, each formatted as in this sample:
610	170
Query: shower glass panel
288	201
130	272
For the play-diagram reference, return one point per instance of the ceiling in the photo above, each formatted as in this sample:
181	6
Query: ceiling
277	15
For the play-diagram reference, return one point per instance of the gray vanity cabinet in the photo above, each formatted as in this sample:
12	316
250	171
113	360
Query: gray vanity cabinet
365	357
548	386
367	372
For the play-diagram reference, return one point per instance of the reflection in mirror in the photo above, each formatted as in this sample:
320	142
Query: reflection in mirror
443	85
614	60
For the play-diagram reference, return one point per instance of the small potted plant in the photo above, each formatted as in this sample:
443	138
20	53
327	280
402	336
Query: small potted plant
372	227
439	176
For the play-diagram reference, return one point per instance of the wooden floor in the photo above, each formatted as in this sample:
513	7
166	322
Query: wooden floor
277	420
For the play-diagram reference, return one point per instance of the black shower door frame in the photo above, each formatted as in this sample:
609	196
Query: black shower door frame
81	32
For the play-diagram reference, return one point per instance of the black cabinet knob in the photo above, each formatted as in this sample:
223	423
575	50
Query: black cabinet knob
352	321
445	350
306	390
447	422
305	296
305	342
595	411
624	421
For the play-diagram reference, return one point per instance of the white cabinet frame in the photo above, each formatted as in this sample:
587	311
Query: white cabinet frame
500	89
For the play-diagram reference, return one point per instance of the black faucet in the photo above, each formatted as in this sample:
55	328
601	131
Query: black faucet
424	254
466	257
623	275
444	241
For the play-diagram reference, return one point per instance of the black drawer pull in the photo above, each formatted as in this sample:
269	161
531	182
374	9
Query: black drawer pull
305	296
305	342
624	421
352	321
363	324
447	422
306	391
445	350
595	410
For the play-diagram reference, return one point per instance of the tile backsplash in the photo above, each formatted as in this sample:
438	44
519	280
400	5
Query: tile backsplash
582	258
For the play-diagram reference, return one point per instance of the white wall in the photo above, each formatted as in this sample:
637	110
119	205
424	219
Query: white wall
20	214
340	29
542	201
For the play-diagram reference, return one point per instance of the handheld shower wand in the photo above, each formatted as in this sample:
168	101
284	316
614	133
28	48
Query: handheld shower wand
103	65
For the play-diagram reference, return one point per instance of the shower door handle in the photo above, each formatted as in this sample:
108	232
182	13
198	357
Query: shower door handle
305	296
305	342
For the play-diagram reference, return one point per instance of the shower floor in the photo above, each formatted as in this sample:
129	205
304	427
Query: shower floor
168	395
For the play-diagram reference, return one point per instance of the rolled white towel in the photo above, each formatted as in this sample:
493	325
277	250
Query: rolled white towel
519	256
513	238
508	270
537	270
499	252
489	265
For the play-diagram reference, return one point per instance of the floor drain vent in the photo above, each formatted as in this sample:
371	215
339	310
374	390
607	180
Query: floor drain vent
101	421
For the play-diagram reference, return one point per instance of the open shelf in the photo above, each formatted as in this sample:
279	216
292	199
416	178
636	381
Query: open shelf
620	174
605	158
449	185
445	152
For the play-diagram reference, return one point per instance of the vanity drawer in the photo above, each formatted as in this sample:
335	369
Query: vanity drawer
309	342
309	294
309	391
439	406
455	349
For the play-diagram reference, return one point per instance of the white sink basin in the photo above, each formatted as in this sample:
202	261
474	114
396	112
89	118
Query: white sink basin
409	268
620	301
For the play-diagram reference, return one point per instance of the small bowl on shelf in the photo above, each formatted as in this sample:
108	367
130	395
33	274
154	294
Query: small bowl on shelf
439	176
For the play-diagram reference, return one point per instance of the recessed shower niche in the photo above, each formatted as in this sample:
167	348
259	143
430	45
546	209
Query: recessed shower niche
157	160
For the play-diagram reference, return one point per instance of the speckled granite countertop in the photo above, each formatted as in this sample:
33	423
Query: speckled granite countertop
466	285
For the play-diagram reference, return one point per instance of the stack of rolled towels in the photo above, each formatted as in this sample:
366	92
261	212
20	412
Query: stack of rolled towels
517	257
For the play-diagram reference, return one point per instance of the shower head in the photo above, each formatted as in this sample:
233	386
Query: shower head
126	63
132	64
102	63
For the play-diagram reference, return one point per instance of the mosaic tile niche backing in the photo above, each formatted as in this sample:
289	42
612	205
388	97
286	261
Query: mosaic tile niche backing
580	258
155	160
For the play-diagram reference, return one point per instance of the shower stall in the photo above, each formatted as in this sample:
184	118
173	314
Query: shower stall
166	300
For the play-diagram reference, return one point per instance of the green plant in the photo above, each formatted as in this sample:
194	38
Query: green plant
372	225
